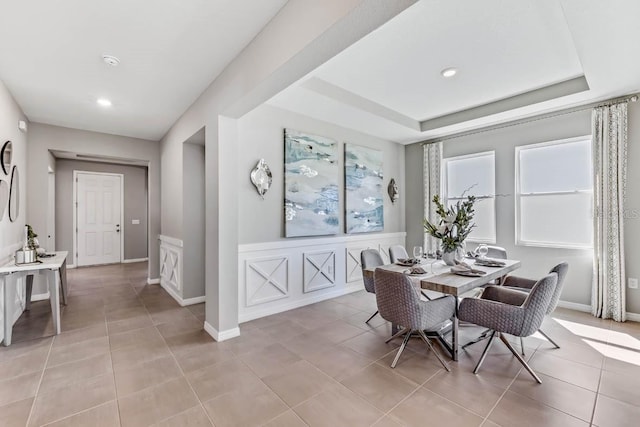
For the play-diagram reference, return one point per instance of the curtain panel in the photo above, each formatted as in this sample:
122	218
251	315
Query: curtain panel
609	130
432	166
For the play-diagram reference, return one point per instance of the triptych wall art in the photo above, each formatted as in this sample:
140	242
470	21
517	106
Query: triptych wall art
311	197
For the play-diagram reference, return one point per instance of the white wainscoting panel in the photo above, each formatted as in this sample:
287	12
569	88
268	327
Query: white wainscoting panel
286	274
171	265
319	270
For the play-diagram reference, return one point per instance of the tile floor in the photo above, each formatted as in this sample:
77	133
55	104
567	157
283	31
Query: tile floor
130	356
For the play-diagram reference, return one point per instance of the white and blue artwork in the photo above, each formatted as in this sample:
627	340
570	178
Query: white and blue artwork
363	189
311	185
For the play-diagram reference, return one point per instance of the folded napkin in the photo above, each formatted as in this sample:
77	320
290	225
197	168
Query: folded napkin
463	267
417	270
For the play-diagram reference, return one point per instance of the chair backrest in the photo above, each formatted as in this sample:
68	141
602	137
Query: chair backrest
397	298
536	304
396	252
561	270
370	258
496	252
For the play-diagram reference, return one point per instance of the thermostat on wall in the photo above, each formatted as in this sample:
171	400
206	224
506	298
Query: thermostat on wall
135	221
22	125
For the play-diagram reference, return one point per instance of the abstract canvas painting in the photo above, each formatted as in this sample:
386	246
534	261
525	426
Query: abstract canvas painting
311	185
363	189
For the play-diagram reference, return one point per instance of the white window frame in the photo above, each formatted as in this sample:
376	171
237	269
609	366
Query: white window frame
446	198
518	195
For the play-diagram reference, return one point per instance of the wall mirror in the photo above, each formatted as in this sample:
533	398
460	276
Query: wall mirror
4	197
14	195
5	157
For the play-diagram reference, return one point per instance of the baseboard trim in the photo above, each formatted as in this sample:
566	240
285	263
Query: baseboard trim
40	297
223	335
179	299
634	317
70	266
297	304
132	260
575	306
153	281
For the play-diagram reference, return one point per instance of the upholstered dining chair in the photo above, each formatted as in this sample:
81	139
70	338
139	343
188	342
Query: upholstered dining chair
525	285
399	303
508	317
496	252
397	252
370	258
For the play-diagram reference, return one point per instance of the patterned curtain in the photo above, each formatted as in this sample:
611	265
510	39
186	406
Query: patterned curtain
609	130
431	172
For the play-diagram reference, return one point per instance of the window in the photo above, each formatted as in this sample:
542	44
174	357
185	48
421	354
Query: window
554	194
473	175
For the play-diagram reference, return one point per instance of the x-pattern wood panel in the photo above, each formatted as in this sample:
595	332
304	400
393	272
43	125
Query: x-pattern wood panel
170	267
267	280
319	270
353	268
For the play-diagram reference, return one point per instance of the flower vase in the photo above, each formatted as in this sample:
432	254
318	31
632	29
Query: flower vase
449	258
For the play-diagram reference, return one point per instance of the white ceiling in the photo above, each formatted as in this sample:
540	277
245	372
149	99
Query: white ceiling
170	51
515	59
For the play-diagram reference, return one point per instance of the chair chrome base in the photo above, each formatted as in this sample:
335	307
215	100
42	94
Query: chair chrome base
407	335
548	338
372	316
513	351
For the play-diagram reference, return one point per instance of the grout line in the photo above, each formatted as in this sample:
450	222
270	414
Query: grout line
113	370
35	396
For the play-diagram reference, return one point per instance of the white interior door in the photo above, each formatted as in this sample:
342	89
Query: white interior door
98	216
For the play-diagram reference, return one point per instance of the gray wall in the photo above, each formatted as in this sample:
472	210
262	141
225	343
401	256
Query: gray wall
632	222
193	271
43	138
135	204
535	260
261	135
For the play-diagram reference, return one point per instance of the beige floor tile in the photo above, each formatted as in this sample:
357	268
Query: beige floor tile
231	409
338	331
194	417
337	361
560	395
181	326
60	377
338	309
620	386
337	406
270	360
300	381
498	369
136	337
566	370
306	345
370	345
288	419
521	411
24	348
124	313
101	416
425	408
380	387
387	421
78	351
157	403
26	364
16	413
79	335
222	378
142	321
191	342
581	353
251	340
416	366
83	395
284	330
204	356
127	357
144	375
614	413
170	316
463	388
19	388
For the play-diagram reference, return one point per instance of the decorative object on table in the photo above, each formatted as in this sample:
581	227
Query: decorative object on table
463	269
32	241
363	178
4	197
261	177
392	189
5	157
453	227
26	255
311	185
14	195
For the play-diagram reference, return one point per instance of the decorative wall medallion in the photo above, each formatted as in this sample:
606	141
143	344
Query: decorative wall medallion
5	157
392	189
319	270
267	280
261	177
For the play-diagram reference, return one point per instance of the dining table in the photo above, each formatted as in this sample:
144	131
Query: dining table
440	278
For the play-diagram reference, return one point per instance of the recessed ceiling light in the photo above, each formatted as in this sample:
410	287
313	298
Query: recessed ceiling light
111	60
104	102
449	72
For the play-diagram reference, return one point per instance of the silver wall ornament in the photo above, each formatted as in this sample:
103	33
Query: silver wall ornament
392	189
261	177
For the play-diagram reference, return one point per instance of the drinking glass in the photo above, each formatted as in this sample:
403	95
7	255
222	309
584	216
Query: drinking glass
417	252
482	251
432	257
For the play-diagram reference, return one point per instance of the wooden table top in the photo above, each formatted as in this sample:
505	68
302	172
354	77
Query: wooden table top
442	280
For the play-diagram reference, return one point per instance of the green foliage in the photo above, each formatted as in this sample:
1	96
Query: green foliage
455	223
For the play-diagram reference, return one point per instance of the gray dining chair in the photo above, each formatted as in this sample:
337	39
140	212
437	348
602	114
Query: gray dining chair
370	258
525	285
397	252
399	303
496	252
508	317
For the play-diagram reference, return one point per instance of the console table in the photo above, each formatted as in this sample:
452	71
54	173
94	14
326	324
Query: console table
54	269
